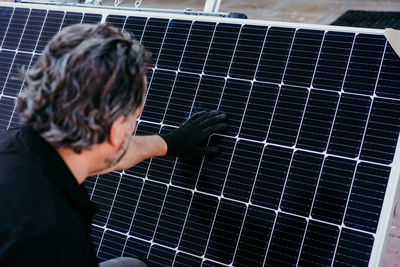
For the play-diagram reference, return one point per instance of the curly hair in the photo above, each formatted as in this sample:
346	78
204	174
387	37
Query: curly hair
87	76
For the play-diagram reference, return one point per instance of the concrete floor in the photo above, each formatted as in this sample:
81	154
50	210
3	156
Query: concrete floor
304	11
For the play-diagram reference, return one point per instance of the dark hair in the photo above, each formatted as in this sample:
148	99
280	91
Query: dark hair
87	76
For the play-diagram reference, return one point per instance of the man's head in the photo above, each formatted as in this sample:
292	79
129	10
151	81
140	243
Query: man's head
87	79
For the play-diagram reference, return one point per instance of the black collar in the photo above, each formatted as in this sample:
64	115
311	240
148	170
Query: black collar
57	169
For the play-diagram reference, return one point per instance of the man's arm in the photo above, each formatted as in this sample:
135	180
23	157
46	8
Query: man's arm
142	148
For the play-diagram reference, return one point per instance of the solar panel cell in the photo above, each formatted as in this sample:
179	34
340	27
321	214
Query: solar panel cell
319	244
153	36
148	210
213	172
382	132
208	93
124	204
222	49
51	26
353	249
172	218
254	237
136	248
135	25
271	176
198	224
71	18
247	53
181	99
116	20
32	30
366	196
161	256
6	59
174	43
15	28
364	64
286	240
197	45
333	188
275	54
14	81
226	230
317	121
242	172
6	110
186	171
301	183
111	246
332	62
96	235
288	115
183	260
349	126
91	18
259	110
303	56
5	15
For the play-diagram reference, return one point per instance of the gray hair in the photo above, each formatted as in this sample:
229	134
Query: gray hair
87	77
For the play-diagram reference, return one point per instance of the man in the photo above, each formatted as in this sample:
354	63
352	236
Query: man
79	110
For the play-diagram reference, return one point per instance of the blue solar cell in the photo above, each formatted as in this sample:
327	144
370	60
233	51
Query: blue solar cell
275	54
364	64
172	218
136	248
226	230
242	172
301	183
212	175
198	224
303	56
259	111
333	59
233	103
111	246
197	45
181	99
116	20
333	188
317	121
319	244
103	194
5	15
32	30
7	106
288	115
153	36
161	256
96	235
148	209
157	95
6	59
184	260
382	132
89	184
366	197
349	126
222	48
254	238
354	248
174	43
271	176
15	28
389	81
135	26
186	171
124	204
247	53
14	81
91	18
51	26
208	93
71	18
286	240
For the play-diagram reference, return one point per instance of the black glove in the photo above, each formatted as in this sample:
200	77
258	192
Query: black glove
189	140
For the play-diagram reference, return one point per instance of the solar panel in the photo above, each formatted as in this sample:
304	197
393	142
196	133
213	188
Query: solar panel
307	171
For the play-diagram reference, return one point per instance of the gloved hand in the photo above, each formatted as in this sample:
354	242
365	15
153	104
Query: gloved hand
189	140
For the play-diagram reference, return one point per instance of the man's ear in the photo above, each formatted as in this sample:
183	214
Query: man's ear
117	131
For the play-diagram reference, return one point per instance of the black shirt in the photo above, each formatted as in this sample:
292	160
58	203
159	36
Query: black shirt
45	215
